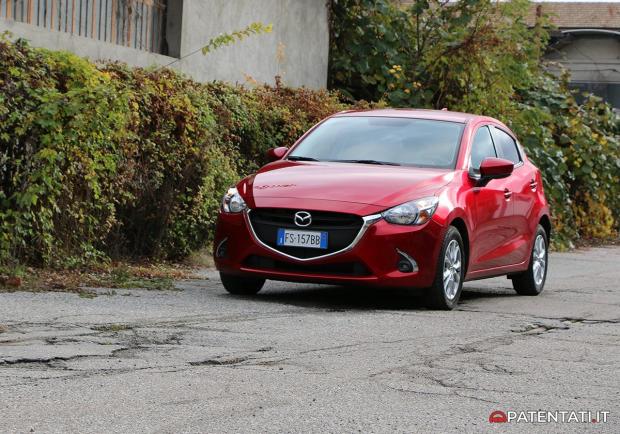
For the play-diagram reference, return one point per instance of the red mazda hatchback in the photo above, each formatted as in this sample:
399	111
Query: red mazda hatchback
391	198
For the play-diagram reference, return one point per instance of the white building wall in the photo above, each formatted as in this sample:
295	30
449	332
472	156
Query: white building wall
297	49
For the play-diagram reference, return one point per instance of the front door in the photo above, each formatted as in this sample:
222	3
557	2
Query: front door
520	185
492	211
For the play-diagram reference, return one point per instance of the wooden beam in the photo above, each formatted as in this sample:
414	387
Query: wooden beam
148	26
113	26
73	17
129	14
29	16
92	27
52	15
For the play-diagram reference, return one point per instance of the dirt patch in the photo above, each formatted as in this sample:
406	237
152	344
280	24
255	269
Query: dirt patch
159	277
585	243
220	362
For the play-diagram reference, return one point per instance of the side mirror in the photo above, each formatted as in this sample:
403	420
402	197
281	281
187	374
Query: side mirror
493	168
276	154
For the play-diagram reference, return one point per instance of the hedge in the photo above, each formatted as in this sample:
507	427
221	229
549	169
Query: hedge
100	161
103	161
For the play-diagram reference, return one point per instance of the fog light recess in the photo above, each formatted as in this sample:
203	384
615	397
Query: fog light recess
406	264
222	249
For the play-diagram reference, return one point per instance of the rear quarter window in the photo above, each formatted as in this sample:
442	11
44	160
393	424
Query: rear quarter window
506	146
482	147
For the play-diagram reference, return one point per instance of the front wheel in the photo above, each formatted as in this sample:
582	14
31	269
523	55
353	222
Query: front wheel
532	281
241	285
448	284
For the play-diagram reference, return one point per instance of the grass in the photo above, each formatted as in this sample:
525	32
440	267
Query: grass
111	328
124	277
86	294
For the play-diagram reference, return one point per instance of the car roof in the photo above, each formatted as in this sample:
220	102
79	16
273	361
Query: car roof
440	115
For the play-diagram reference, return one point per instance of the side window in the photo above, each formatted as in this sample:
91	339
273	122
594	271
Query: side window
482	147
506	146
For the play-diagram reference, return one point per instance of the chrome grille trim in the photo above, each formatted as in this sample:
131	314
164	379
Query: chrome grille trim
368	221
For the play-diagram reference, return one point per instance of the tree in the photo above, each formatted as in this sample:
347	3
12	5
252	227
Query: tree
480	56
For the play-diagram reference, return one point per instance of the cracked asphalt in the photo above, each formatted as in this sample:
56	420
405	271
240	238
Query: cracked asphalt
301	358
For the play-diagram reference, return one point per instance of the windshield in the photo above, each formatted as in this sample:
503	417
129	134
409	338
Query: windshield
383	140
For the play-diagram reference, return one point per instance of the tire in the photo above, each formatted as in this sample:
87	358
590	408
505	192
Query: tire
532	281
445	293
241	285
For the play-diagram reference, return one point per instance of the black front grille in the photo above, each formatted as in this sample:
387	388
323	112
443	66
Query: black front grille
340	269
341	228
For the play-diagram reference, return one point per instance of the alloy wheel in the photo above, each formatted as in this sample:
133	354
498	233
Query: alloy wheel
452	269
540	260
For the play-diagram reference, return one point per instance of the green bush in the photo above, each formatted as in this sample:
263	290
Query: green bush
172	168
265	117
479	56
107	161
61	126
577	149
111	161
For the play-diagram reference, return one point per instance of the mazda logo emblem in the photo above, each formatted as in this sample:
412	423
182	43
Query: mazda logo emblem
303	219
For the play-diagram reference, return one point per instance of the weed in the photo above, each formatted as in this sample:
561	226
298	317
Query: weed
111	328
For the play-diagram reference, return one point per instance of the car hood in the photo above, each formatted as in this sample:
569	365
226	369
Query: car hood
379	186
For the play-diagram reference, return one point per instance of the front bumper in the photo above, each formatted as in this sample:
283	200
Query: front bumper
371	260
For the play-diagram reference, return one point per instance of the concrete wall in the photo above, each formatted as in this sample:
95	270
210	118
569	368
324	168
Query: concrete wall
300	29
297	49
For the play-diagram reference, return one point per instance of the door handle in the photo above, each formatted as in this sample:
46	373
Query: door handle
507	194
533	185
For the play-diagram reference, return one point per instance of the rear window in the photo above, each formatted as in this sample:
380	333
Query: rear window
402	141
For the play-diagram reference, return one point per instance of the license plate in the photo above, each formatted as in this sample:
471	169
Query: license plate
293	238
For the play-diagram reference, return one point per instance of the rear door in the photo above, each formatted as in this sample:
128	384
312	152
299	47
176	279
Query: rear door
491	210
519	187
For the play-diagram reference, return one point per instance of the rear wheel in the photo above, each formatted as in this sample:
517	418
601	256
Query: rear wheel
532	281
241	285
448	284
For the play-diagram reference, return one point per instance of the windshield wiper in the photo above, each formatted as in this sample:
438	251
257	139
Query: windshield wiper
383	163
301	158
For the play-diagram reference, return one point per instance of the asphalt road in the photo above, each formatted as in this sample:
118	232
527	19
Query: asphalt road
301	358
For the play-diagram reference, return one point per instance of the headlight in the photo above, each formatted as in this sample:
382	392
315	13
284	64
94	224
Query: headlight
416	212
233	202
